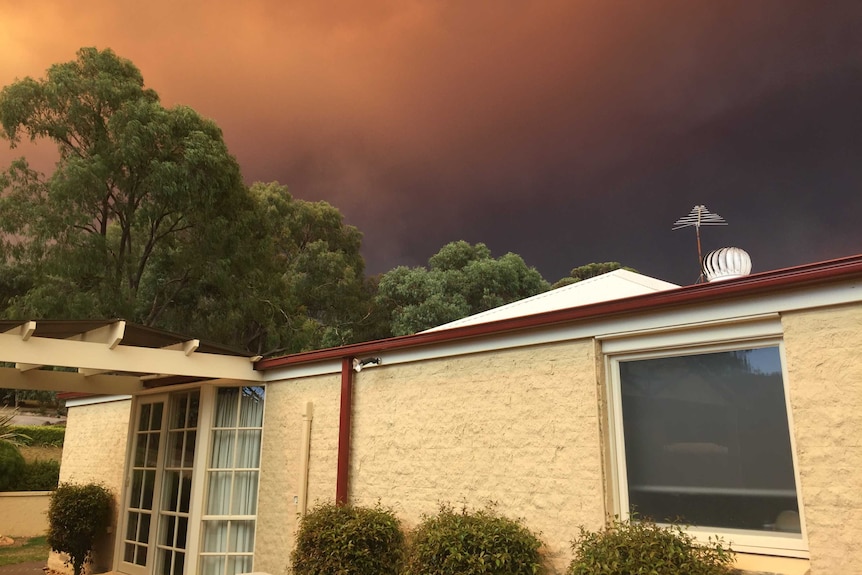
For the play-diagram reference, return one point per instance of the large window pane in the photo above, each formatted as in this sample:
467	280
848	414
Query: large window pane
707	440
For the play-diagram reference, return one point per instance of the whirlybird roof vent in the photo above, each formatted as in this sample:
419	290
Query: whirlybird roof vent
725	264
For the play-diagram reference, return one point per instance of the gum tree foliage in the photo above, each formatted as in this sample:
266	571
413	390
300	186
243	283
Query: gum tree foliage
588	271
146	218
307	288
460	280
142	203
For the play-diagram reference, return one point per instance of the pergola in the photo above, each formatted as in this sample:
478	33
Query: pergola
110	357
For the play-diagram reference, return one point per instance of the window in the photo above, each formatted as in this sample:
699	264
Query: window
703	438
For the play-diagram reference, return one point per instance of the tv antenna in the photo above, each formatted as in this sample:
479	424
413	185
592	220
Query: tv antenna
697	217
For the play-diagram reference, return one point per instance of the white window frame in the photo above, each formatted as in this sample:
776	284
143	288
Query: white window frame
716	338
203	477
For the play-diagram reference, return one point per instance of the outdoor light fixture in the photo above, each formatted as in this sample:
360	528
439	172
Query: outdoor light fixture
358	364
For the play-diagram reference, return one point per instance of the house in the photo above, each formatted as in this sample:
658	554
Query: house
736	405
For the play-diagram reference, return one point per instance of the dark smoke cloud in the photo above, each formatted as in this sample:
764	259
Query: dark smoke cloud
564	131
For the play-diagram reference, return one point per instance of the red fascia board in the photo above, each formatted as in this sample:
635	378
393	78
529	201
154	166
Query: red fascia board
776	280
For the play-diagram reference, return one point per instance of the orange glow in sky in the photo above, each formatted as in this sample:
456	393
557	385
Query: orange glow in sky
535	127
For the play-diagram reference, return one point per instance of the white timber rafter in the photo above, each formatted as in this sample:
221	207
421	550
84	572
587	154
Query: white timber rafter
95	361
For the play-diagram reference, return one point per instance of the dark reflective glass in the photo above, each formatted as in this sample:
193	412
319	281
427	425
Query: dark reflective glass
144	421
137	483
180	404
149	483
132	527
707	440
157	416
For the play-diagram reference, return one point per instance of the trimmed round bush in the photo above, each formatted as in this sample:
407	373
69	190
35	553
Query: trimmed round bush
472	543
348	540
11	466
642	547
77	516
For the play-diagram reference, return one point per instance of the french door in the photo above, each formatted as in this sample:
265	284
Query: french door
157	507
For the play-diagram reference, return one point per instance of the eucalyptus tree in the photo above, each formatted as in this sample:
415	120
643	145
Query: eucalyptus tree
307	288
141	208
588	271
460	280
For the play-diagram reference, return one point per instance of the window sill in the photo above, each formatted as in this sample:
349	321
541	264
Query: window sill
752	564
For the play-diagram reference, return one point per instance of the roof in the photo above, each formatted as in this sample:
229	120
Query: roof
821	273
613	285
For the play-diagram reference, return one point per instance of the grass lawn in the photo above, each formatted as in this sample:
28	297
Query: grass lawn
24	550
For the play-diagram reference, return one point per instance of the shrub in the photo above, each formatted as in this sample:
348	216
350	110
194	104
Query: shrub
11	465
39	475
473	542
642	547
348	540
77	515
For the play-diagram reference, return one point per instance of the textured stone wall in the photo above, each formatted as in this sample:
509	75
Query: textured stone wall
825	371
519	428
280	462
94	450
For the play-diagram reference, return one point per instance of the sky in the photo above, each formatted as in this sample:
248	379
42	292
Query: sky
566	131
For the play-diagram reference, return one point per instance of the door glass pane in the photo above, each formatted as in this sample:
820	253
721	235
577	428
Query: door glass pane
212	564
132	527
153	450
156	423
241	536
144	420
238	564
149	485
222	451
218	499
215	536
244	496
144	466
177	484
707	440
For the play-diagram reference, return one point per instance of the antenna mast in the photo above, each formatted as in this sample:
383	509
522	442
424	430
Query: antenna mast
699	216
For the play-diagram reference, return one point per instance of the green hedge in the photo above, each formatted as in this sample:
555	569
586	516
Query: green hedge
41	434
11	466
39	475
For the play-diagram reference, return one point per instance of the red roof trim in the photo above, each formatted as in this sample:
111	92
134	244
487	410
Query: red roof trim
788	278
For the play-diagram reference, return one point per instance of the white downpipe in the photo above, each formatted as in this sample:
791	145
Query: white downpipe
304	458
